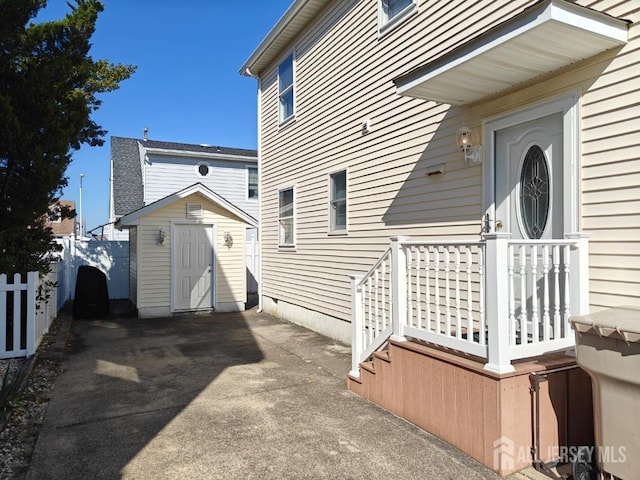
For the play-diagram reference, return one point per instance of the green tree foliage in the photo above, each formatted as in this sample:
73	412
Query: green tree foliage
48	90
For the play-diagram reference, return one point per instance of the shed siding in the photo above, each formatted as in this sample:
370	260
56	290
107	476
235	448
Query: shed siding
344	75
155	261
133	264
165	175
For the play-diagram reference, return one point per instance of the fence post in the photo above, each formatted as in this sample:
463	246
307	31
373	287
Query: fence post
399	288
497	302
356	325
579	264
32	289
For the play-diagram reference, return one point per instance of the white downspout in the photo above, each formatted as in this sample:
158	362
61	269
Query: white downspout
260	199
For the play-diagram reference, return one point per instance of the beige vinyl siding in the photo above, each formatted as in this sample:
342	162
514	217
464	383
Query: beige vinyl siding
133	264
154	263
344	76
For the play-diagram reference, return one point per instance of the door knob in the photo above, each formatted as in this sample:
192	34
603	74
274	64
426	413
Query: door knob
498	225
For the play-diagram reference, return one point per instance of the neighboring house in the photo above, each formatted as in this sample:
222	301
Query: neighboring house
502	138
189	212
187	253
143	171
62	227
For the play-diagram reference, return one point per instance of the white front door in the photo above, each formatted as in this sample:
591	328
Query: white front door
529	179
192	262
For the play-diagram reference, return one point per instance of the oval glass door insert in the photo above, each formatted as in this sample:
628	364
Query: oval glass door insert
534	192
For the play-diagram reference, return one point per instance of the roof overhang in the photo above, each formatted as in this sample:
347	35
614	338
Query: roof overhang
282	35
167	152
133	219
550	35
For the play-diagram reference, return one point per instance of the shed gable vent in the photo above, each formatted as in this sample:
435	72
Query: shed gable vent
194	210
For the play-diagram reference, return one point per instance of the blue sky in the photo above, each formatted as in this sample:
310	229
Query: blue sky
187	87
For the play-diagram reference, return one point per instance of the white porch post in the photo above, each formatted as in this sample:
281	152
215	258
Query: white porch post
399	288
356	325
579	262
497	302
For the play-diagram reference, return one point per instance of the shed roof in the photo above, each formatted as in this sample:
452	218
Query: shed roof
133	218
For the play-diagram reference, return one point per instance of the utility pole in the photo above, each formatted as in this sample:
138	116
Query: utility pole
81	221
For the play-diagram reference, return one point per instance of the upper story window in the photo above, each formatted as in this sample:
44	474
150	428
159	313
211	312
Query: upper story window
338	201
286	226
252	180
393	11
285	89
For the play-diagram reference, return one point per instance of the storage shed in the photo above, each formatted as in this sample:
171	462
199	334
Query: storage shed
187	253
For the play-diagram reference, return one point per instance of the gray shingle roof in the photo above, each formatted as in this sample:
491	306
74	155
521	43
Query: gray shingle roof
128	189
127	186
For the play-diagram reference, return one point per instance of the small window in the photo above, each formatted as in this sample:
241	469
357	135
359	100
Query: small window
285	89
252	179
203	169
338	201
392	11
285	217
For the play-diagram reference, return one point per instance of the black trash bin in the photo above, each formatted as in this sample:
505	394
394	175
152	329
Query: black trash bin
92	295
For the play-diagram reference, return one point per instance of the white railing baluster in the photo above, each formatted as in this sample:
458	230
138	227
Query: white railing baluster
556	292
447	290
535	319
482	319
436	288
409	267
376	310
523	296
427	269
512	297
567	292
457	299
369	323
469	256
545	293
383	266
418	292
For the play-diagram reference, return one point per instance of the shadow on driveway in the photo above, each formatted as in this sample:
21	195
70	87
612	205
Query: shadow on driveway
224	396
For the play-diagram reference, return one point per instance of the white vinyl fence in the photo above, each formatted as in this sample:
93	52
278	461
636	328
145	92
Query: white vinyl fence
253	265
27	309
110	257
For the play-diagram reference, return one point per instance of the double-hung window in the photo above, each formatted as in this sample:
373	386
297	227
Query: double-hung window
392	11
285	89
338	201
252	179
286	203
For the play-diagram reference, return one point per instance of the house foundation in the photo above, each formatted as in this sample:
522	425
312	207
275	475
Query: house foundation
488	416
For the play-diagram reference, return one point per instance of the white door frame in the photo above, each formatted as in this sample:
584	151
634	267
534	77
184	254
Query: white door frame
569	106
212	237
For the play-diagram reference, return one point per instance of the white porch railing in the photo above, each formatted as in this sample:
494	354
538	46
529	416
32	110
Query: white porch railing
497	299
26	312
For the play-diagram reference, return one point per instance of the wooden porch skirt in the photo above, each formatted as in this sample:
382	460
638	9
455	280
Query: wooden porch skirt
487	416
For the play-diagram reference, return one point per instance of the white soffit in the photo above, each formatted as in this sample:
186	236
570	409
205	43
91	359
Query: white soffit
550	35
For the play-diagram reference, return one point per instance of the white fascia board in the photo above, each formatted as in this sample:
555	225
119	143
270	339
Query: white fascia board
190	154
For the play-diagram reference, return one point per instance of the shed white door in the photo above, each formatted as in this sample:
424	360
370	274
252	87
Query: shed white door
529	197
192	266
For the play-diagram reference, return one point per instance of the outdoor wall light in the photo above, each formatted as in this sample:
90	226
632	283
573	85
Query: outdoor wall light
472	153
162	237
228	239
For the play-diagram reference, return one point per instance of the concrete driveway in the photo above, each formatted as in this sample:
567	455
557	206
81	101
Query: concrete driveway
225	396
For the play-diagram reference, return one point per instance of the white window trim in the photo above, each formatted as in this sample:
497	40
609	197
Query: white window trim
385	27
282	122
288	246
198	165
332	230
252	199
